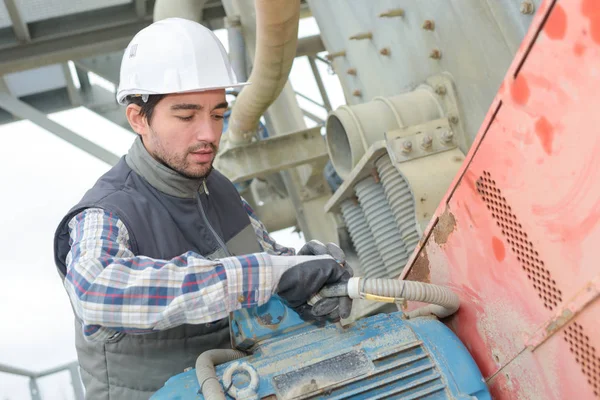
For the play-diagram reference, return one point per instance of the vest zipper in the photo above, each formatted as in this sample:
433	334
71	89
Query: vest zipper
219	240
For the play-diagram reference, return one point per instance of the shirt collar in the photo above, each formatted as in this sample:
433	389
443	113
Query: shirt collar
160	176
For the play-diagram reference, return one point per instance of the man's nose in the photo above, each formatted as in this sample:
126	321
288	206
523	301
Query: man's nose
208	131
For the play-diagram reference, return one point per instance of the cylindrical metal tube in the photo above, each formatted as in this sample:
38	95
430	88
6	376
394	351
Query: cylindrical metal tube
382	224
371	262
401	201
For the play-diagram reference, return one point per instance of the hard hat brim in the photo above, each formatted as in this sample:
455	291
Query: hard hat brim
122	94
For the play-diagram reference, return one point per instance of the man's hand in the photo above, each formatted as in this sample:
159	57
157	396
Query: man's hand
310	277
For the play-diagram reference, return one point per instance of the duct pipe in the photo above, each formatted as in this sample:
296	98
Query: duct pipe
237	47
351	130
188	9
276	41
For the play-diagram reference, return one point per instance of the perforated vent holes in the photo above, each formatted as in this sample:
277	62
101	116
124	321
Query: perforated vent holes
585	354
519	242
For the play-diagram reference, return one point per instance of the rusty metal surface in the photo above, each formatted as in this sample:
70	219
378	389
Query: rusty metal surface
521	247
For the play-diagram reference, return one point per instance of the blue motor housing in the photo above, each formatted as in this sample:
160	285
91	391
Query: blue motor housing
384	356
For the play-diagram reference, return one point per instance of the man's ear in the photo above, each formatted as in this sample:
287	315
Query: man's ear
136	120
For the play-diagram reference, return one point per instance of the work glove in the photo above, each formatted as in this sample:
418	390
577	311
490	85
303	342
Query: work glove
301	282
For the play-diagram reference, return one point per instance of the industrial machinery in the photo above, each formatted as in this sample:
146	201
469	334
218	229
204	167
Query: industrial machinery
450	181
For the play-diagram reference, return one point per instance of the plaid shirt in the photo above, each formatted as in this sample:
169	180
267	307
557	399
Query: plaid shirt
115	292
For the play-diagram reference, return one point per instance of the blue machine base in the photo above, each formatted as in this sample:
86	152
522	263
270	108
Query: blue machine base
384	356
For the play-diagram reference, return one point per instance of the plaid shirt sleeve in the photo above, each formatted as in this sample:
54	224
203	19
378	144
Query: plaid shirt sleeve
266	241
115	292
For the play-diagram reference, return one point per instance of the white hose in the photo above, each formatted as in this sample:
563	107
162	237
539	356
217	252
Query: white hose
205	371
443	301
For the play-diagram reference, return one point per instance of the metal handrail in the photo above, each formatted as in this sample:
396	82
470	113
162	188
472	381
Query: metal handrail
34	390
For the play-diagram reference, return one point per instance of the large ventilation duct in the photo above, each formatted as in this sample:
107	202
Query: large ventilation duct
276	41
351	130
188	9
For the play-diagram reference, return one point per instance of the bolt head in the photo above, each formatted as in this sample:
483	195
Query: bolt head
435	54
351	71
426	142
385	51
453	119
441	90
428	25
447	136
357	93
407	146
527	7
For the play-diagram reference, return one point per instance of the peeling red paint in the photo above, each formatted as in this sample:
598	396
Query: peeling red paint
578	49
520	90
556	26
545	132
590	9
499	250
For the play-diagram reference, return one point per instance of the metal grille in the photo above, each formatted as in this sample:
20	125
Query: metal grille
520	244
585	354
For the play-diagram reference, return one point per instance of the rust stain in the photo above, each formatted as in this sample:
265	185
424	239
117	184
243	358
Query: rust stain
559	322
545	132
444	227
420	271
556	26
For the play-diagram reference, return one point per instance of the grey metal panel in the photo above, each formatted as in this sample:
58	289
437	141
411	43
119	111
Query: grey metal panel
477	40
19	25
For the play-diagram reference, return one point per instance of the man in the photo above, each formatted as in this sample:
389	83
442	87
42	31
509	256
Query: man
162	248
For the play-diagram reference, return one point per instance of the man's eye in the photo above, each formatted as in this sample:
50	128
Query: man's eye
185	118
217	116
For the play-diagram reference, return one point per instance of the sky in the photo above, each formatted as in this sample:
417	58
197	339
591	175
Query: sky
41	178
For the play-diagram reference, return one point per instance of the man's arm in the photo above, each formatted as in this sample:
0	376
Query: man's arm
266	241
114	291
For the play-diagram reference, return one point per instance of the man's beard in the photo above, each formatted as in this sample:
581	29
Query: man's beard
182	166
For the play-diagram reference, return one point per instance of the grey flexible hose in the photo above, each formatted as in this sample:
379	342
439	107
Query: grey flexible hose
205	371
443	301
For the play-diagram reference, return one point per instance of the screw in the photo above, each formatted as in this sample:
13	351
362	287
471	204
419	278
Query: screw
351	71
527	7
357	93
407	146
331	56
426	142
441	90
395	12
447	136
435	54
361	36
385	51
428	25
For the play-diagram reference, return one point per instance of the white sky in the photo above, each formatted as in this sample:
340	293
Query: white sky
41	178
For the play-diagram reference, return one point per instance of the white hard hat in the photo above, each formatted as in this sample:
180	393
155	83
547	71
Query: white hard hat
174	55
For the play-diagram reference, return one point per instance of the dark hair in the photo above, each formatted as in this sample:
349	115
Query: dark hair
146	108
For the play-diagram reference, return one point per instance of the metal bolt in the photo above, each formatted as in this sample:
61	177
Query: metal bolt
385	51
357	93
527	7
331	56
395	12
453	119
447	136
428	25
362	36
426	142
351	71
407	146
441	90
435	54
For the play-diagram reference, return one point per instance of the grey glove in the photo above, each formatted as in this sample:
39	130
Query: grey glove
332	308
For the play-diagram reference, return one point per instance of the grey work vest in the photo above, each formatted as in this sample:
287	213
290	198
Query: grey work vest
166	215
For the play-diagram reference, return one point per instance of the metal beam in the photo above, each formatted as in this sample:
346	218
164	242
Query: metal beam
140	8
74	95
309	45
313	117
25	111
319	80
18	24
271	155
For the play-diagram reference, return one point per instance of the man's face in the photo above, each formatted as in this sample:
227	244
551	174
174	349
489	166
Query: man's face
185	131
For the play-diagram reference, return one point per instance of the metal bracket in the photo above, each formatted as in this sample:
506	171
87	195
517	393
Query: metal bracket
421	140
274	154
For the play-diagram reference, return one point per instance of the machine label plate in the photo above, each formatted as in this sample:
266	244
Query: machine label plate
321	376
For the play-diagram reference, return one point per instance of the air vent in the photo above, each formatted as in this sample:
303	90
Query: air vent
520	244
585	354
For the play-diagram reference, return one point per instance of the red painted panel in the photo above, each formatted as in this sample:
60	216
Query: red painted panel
518	236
